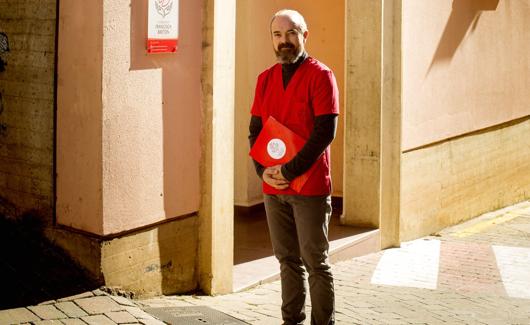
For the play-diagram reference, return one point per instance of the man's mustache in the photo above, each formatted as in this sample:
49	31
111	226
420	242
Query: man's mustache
286	46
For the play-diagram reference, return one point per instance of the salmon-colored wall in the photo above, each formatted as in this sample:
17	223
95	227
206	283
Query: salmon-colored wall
254	53
151	133
79	115
465	67
149	125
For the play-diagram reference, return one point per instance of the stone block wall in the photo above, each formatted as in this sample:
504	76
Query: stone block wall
27	106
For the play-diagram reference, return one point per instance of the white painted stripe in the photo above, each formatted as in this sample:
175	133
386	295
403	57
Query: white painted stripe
415	265
514	266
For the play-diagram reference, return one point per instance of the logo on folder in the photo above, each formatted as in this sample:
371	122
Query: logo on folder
276	148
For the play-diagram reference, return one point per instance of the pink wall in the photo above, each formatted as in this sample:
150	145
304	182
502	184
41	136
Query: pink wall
129	124
465	67
165	131
79	116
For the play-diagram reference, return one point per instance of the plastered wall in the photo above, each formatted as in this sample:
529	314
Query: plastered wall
254	53
128	123
79	116
465	67
466	76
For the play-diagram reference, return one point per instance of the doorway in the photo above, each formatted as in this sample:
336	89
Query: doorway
254	262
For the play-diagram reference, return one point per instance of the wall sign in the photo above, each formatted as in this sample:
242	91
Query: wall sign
163	26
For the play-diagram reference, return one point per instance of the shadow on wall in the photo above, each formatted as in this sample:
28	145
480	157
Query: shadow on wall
464	17
4	48
32	269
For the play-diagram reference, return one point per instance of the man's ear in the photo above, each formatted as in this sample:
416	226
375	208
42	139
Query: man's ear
305	35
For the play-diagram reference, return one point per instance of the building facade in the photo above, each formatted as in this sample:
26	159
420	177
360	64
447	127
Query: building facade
135	161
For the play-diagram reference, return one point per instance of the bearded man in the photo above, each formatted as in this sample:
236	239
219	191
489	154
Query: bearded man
301	93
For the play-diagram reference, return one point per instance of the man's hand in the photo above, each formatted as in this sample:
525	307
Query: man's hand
273	176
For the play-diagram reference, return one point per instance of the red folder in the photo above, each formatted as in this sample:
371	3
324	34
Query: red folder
277	145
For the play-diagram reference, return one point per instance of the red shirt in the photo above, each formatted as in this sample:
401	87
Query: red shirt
312	91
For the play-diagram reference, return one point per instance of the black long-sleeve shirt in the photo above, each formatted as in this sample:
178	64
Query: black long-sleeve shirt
323	133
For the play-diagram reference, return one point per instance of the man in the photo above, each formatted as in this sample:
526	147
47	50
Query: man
301	93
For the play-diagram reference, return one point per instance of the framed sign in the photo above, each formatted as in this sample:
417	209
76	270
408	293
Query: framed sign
163	26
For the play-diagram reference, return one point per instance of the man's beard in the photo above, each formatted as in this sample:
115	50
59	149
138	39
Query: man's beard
287	53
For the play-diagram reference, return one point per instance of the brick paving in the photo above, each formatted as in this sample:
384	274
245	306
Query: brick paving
93	307
477	272
470	283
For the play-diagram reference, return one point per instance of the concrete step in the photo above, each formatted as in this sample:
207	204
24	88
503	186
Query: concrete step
267	269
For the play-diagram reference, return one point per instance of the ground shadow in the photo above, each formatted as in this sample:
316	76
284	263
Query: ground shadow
32	269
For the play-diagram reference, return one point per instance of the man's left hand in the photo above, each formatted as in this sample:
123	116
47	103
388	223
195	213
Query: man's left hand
278	175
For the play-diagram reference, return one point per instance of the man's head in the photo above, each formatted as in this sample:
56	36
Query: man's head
289	33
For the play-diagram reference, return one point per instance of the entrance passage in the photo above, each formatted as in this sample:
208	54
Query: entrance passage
254	262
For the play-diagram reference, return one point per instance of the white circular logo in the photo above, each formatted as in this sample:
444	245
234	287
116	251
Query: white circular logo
276	148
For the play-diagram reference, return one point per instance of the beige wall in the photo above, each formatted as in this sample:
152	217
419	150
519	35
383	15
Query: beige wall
462	178
27	108
254	53
128	122
465	67
466	75
216	214
153	261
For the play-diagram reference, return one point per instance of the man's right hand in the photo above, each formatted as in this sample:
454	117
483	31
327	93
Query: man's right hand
272	176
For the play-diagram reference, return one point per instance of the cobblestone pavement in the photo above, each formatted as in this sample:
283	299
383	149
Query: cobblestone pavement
477	272
92	307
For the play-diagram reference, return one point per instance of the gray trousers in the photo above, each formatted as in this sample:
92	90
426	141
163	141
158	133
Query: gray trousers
298	228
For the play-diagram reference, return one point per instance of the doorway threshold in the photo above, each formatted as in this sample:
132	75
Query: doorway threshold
254	263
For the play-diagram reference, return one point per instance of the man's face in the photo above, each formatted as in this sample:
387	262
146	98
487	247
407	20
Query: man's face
287	40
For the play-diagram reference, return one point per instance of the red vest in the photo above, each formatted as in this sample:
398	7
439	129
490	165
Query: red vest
312	91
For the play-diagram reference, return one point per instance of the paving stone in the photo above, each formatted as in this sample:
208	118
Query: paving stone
46	312
151	322
138	313
246	315
98	320
71	309
73	321
98	305
49	302
99	292
17	316
391	321
79	296
123	301
48	322
121	317
266	321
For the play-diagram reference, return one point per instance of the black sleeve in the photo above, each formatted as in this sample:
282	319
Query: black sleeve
323	133
254	129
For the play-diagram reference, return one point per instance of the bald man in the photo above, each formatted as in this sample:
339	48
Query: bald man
301	93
